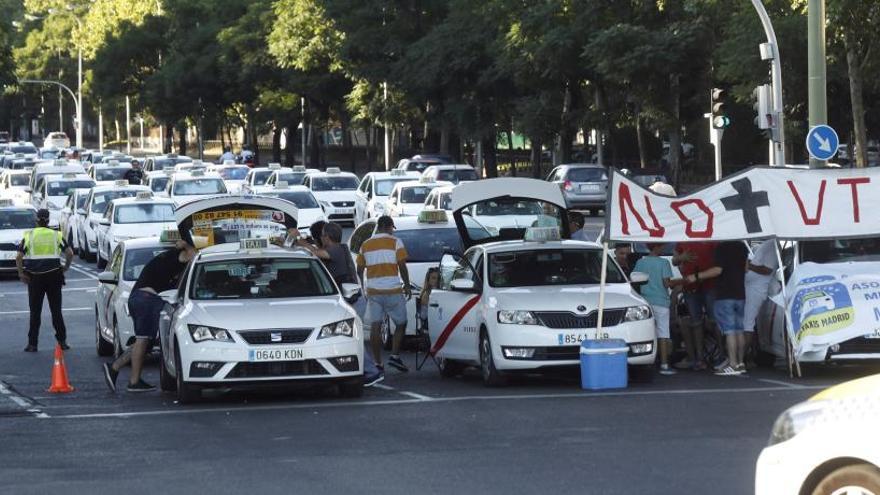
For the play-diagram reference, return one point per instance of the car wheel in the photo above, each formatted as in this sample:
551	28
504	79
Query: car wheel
491	376
166	382
103	348
450	368
641	373
186	393
855	479
352	389
387	337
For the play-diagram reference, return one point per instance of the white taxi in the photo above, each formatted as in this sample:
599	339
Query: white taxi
14	184
309	210
52	192
825	445
53	167
15	220
131	218
96	205
157	181
113	325
527	304
293	176
71	215
407	199
439	198
336	191
249	313
255	180
373	191
186	187
233	174
109	172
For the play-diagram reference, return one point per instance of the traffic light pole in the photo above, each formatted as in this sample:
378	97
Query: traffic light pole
776	79
715	136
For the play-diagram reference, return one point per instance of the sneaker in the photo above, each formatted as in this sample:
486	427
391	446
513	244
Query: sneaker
140	386
64	346
30	348
396	362
728	371
724	363
370	380
740	367
666	370
110	377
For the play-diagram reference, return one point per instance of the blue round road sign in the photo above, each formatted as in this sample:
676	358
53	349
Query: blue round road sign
822	142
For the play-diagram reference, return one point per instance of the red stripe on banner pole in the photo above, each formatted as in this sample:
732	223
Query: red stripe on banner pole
444	335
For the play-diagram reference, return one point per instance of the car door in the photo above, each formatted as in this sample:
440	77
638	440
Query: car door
452	313
104	295
361	198
168	320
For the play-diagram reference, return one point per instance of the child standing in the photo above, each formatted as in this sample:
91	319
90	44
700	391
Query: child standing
432	280
656	292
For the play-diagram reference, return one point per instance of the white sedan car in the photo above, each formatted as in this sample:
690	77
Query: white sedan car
96	205
109	172
52	192
407	199
186	187
525	305
825	445
309	210
336	191
233	175
14	185
372	193
15	220
131	218
255	180
157	181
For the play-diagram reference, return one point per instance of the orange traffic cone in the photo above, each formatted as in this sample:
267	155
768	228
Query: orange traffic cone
60	385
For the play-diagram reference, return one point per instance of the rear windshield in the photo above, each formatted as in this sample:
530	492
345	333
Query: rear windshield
19	180
302	199
26	149
428	245
161	163
457	175
157	184
384	186
261	176
199	186
414	195
234	173
294	179
342	183
587	175
414	166
102	200
64	188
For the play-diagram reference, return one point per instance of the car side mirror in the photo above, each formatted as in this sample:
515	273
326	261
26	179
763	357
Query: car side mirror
462	285
107	277
351	291
636	278
170	296
104	221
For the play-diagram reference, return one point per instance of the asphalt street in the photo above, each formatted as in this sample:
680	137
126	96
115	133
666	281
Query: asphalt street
415	433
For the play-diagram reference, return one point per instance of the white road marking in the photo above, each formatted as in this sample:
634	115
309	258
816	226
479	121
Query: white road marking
383	387
415	395
394	402
83	271
780	382
25	312
67	289
22	401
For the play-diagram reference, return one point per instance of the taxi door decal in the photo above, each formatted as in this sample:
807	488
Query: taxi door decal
456	319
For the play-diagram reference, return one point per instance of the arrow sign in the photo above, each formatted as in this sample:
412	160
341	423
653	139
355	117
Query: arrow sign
822	142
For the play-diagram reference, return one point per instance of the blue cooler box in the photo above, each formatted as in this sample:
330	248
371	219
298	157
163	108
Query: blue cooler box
603	364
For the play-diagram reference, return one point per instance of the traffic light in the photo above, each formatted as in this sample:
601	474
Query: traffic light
720	120
766	118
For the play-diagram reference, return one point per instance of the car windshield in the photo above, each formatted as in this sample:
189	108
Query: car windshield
457	175
840	250
110	174
26	149
199	186
384	186
340	183
414	166
261	176
587	175
19	179
428	245
102	200
302	199
541	267
137	259
157	184
148	213
417	194
261	278
160	163
17	219
49	154
445	201
234	173
293	179
65	187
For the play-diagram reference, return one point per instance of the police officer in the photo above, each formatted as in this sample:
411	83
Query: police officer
39	266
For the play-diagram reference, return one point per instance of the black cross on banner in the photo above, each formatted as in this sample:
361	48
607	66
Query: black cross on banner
748	201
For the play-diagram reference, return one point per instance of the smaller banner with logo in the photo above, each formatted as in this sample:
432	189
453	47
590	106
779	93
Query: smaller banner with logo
831	303
233	225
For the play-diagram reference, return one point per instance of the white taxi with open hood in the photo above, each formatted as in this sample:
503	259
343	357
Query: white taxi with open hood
524	300
248	313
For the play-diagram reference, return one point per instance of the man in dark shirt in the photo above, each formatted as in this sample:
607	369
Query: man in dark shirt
145	306
729	271
134	175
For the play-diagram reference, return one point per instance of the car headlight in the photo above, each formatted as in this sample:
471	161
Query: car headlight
325	204
344	328
517	317
637	313
795	419
201	333
379	208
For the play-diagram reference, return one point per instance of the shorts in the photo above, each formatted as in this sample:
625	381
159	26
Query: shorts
729	315
381	305
756	294
661	321
699	304
145	309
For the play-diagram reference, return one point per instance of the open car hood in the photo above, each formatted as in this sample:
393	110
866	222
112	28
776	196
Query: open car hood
252	216
506	188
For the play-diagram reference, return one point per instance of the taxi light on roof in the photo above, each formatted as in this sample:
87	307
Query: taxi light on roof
333	170
282	184
299	168
542	234
141	195
169	236
120	182
69	175
426	179
274	166
398	171
19	155
197	173
113	163
197	163
172	155
254	244
433	216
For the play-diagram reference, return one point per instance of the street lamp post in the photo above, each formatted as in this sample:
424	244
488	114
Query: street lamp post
76	102
770	51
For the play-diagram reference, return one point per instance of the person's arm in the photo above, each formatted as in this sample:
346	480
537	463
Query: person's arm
713	272
19	264
404	275
319	252
361	268
761	270
68	258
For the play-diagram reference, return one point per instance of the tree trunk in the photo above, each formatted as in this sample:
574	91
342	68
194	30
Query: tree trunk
856	94
181	135
566	130
444	139
276	143
643	158
490	161
675	131
511	154
290	149
118	133
537	145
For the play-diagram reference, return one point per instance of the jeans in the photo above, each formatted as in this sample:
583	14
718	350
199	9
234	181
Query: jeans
46	285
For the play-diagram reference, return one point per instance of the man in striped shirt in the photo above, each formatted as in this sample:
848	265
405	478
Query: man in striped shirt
383	258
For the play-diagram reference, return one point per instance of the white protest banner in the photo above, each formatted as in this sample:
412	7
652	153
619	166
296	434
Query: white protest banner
760	202
831	303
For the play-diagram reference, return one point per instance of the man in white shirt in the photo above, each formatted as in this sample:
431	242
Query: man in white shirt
761	267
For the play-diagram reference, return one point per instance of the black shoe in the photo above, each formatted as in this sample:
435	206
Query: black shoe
110	376
140	386
30	348
370	380
64	346
396	362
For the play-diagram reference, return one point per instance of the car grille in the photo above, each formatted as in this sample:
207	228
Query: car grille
308	367
560	353
859	345
342	204
610	318
8	246
264	337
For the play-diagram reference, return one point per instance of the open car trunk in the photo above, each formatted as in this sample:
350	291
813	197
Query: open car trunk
225	219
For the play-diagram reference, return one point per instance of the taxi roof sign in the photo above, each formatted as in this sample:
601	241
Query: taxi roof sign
542	234
299	168
274	166
60	162
112	163
433	216
142	195
120	182
197	172
254	244
169	236
397	171
333	170
171	155
425	179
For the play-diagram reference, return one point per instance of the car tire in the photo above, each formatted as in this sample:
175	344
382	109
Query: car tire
166	382
186	392
387	337
491	376
859	478
102	347
641	373
449	368
352	389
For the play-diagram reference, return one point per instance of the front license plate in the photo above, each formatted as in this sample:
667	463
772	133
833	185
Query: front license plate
258	355
572	338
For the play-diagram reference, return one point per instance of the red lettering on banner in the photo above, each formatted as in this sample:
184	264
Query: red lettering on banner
625	199
807	220
853	187
689	223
